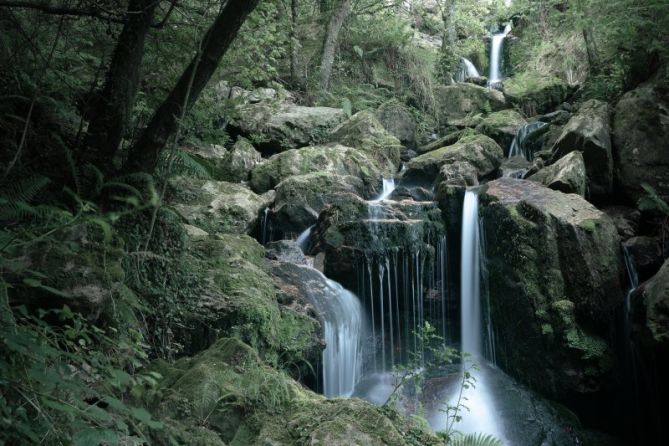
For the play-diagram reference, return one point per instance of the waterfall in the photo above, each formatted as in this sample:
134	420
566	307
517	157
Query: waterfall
467	70
342	357
264	226
519	145
388	188
303	239
496	55
470	277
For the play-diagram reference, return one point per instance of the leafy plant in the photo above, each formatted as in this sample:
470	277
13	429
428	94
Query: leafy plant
474	440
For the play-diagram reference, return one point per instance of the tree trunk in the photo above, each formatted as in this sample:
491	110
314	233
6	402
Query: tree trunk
112	111
448	61
294	43
331	40
144	154
591	47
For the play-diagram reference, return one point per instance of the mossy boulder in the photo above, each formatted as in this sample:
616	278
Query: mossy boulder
210	156
334	159
479	152
459	103
641	132
228	390
566	175
301	198
535	93
450	138
238	163
216	206
553	265
502	126
364	132
589	132
397	119
278	126
237	297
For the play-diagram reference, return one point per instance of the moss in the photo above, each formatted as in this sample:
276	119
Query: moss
591	347
535	93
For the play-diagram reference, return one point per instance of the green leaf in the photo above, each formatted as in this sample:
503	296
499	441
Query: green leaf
358	51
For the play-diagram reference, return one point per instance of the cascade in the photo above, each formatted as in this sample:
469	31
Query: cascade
402	286
519	145
388	188
470	277
467	70
496	55
303	239
342	316
264	227
342	357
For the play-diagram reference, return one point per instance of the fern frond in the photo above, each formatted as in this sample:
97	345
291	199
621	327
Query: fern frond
474	440
182	163
24	190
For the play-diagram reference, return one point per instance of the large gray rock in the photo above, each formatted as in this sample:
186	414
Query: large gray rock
216	206
651	312
589	132
474	153
641	132
333	159
502	126
275	127
301	198
238	163
566	175
365	133
457	103
397	119
553	265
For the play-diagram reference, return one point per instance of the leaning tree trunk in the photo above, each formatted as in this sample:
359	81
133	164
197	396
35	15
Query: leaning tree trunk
144	153
111	114
447	60
294	43
331	40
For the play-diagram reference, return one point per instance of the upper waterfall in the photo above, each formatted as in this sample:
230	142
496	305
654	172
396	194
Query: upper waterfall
496	55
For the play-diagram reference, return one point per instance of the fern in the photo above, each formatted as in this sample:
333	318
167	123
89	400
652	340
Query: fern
179	162
652	201
474	440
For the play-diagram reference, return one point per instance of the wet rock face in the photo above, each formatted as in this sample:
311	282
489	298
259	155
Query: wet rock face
641	132
647	255
553	265
651	314
566	175
354	229
589	132
285	251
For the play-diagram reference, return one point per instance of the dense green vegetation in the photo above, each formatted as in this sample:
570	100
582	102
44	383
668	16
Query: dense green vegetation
111	297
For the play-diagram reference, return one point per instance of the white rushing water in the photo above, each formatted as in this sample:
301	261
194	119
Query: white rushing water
496	55
467	70
470	276
342	357
388	188
303	239
480	415
519	146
